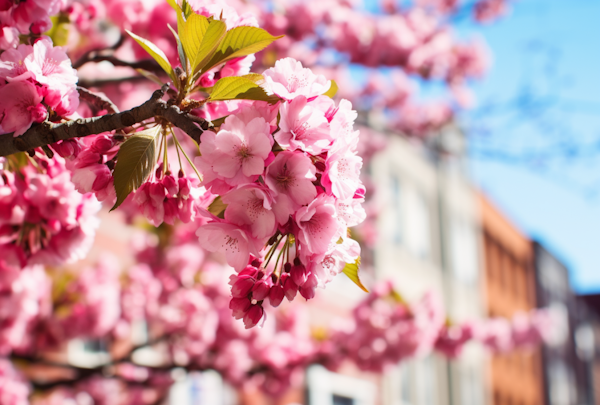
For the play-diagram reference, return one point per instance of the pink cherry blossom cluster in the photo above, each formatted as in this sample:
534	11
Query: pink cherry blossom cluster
523	330
87	307
291	191
386	330
24	17
163	198
14	389
23	301
165	292
42	217
37	83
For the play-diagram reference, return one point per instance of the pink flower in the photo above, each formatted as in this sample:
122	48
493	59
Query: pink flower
326	267
303	127
288	79
12	63
243	147
318	225
229	239
342	177
20	107
292	174
237	153
252	205
50	65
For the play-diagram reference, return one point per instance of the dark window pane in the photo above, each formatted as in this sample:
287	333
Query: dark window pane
339	400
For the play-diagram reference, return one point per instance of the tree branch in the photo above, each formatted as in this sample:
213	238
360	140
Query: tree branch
48	133
97	100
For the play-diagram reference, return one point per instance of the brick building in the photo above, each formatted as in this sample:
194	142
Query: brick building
515	378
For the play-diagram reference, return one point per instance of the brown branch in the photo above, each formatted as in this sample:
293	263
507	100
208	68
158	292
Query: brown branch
98	100
48	133
147	64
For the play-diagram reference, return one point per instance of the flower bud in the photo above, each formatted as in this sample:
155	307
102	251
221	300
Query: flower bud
299	274
242	287
239	307
289	287
253	316
260	291
276	295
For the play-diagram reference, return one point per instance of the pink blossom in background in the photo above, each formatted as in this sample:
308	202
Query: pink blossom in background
288	79
14	389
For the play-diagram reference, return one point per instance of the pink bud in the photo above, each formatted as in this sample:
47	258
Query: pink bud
249	271
171	210
242	287
239	307
157	193
103	177
184	187
253	316
260	291
289	287
299	274
171	185
38	113
102	144
309	288
359	193
88	158
276	295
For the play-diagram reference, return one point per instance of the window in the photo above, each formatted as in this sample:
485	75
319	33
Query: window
417	221
206	387
427	381
405	382
340	400
328	388
463	251
87	353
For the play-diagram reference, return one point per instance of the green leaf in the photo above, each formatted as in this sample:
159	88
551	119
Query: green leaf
213	37
332	90
174	5
192	34
187	9
135	162
240	41
351	270
150	76
239	88
180	51
218	122
255	77
156	53
217	207
59	33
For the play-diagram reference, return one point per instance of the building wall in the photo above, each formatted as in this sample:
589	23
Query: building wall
428	241
509	284
566	371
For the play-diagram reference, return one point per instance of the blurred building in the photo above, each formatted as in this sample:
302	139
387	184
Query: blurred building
587	339
515	378
428	241
567	362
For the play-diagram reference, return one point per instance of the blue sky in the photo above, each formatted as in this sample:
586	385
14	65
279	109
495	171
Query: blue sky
535	135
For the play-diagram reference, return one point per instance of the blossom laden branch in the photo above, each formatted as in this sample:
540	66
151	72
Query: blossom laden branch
48	133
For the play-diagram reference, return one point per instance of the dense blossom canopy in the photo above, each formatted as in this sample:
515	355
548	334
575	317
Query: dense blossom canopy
258	169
